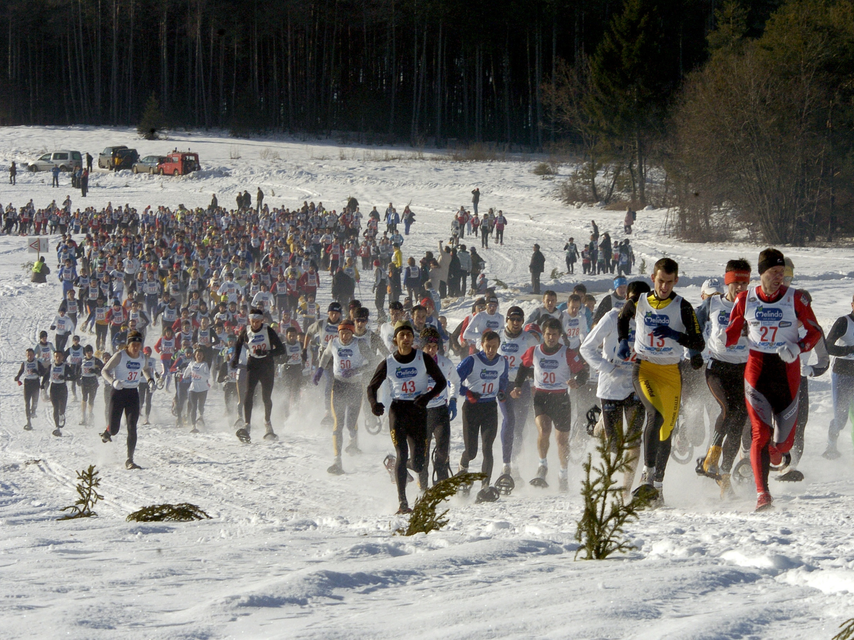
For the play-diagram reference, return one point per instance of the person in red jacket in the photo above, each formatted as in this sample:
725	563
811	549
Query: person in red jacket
772	313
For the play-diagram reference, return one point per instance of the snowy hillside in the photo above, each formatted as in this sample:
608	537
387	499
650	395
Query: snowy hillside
291	551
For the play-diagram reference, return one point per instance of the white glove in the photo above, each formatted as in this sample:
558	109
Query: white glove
788	352
807	371
118	384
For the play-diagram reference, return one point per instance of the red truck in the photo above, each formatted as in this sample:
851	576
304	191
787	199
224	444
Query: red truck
179	163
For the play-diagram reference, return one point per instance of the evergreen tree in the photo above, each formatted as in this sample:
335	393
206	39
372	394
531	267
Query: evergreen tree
153	121
634	70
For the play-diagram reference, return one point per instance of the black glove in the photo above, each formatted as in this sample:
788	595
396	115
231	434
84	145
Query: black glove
378	409
663	331
697	361
421	401
501	396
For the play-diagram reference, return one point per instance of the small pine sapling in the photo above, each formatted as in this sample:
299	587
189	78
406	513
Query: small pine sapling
847	632
600	529
87	489
556	275
424	518
184	512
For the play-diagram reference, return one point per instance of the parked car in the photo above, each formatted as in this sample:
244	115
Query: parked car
107	156
117	158
179	163
148	164
65	160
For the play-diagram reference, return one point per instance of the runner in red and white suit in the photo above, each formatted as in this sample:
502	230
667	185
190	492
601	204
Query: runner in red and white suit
772	376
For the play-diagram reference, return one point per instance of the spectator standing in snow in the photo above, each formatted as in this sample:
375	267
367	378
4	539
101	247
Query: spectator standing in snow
605	253
500	223
477	265
13	171
475	199
408	219
571	255
537	266
465	268
55	173
629	220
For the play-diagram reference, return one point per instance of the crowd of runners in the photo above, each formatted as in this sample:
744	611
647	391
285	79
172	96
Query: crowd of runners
177	303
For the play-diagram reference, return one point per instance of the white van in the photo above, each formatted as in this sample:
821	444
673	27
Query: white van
65	160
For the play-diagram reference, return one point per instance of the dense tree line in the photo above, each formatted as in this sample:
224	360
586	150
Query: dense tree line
732	112
475	70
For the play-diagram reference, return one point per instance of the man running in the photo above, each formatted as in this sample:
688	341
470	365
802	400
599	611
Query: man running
124	372
623	413
262	346
840	344
725	376
408	372
555	369
665	325
773	313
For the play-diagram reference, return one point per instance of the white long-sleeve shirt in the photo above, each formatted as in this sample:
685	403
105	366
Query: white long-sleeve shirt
480	324
199	376
599	350
452	387
64	325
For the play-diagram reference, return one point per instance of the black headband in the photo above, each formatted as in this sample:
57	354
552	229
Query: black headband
773	260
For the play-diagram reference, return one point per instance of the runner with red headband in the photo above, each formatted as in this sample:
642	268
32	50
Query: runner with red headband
772	376
725	376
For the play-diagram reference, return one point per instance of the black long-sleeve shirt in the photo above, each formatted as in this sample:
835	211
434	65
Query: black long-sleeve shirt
276	349
839	329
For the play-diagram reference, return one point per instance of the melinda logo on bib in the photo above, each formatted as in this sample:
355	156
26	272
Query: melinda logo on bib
546	363
405	372
723	318
133	365
510	347
655	320
488	374
768	315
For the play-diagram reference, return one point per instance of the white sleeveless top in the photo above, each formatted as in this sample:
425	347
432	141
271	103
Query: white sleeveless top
551	372
771	325
345	357
129	370
258	344
649	347
719	312
407	380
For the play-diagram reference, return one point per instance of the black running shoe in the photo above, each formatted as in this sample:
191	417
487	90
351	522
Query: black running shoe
130	464
106	437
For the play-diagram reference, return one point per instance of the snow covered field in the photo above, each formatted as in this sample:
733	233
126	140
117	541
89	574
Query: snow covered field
293	552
